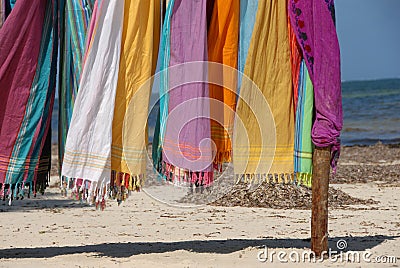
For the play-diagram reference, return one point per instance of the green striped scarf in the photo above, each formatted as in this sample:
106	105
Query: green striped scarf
303	147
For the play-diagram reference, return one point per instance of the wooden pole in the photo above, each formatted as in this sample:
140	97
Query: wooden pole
319	209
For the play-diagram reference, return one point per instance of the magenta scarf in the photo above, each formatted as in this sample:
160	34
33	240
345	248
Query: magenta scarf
314	24
20	39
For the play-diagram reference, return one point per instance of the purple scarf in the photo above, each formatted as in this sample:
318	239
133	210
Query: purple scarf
314	24
186	145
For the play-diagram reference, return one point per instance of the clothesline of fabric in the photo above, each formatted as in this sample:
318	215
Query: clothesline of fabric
108	52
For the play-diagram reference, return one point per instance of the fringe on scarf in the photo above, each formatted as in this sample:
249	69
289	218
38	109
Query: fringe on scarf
304	179
221	158
184	177
122	184
284	178
119	188
86	190
18	191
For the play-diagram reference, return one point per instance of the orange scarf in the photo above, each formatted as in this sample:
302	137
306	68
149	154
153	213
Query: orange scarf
223	39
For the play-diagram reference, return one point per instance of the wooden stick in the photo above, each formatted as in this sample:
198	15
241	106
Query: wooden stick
319	210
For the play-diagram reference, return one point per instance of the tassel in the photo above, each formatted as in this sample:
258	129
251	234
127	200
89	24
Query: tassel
194	177
2	191
131	183
206	180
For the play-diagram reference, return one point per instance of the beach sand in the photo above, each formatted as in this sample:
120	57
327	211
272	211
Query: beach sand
52	231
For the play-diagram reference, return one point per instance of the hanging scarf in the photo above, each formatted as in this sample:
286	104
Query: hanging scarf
268	66
314	24
76	14
19	54
42	100
88	146
163	85
137	65
223	48
303	147
183	156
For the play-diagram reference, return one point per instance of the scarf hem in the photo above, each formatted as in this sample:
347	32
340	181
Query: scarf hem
180	176
280	178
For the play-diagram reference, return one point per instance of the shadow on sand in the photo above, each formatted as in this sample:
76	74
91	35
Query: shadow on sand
46	201
125	250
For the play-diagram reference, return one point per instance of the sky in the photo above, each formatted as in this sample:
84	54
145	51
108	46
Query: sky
369	37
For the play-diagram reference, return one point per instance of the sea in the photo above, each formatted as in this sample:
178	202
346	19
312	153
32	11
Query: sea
371	112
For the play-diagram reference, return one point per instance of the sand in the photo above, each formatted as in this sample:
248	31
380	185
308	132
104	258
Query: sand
52	231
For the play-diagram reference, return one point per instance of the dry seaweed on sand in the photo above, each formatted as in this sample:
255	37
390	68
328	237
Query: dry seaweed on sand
363	164
277	196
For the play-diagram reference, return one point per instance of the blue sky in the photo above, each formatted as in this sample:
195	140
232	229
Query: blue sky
369	37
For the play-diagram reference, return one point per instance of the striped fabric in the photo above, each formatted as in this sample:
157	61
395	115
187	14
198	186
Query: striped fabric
35	126
27	161
19	51
76	16
303	147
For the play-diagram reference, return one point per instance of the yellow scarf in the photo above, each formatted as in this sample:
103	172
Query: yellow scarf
140	39
268	66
